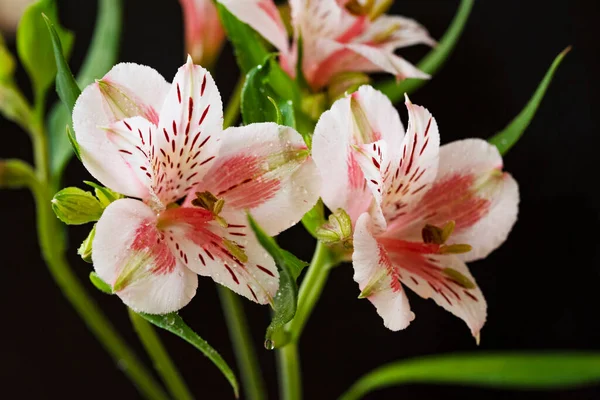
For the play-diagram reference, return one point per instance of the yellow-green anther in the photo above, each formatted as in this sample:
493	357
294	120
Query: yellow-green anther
355	7
455	249
432	234
85	250
365	132
380	8
385	35
218	207
459	278
235	250
447	230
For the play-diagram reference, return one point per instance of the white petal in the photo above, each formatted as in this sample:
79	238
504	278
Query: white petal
496	203
140	90
384	60
190	127
265	168
128	246
205	247
263	17
393	32
372	267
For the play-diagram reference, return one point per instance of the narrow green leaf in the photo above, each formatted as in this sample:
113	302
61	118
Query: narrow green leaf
100	284
101	56
66	86
35	48
73	142
173	323
250	51
434	60
286	300
498	370
510	135
74	206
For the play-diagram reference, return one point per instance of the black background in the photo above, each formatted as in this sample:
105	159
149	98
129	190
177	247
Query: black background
541	286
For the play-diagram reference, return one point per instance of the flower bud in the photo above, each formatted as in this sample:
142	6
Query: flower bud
85	250
345	82
7	63
15	174
313	105
338	230
74	206
204	35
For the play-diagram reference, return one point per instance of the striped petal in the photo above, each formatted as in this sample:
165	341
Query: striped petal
189	130
127	90
132	255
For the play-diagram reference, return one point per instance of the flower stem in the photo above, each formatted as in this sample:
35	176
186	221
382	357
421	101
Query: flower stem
290	377
232	110
52	244
241	339
162	362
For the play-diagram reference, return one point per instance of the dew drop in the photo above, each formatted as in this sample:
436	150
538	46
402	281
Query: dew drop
269	345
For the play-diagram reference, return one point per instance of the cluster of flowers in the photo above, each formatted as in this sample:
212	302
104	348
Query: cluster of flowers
417	211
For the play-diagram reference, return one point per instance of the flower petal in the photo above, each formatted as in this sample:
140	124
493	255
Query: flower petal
393	32
265	168
125	91
377	278
263	17
356	121
130	254
230	255
191	123
445	279
486	213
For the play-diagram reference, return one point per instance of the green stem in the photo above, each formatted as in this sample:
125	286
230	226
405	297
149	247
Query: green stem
241	339
232	111
52	244
290	377
311	288
162	362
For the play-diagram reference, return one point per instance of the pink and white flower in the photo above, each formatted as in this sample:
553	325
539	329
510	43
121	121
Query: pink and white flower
158	143
335	40
420	210
204	35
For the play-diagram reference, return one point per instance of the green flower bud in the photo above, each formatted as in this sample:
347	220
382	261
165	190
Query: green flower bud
15	174
74	206
338	230
85	250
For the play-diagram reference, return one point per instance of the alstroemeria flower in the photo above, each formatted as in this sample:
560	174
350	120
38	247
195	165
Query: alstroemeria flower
204	35
160	142
420	211
333	38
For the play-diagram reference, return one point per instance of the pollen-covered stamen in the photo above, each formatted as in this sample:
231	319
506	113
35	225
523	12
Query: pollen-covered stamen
356	7
436	235
210	202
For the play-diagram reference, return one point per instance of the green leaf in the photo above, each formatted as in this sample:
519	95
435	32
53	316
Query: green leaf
74	206
35	48
434	60
101	56
7	62
85	249
66	86
497	370
314	219
510	135
251	51
73	143
286	300
16	174
99	283
173	323
104	194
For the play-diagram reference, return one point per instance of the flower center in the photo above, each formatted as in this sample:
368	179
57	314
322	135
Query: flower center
210	202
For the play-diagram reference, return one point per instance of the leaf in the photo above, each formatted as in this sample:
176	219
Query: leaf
314	219
173	323
99	283
74	206
497	370
7	63
251	51
35	48
73	142
286	300
66	86
101	56
510	135
434	60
